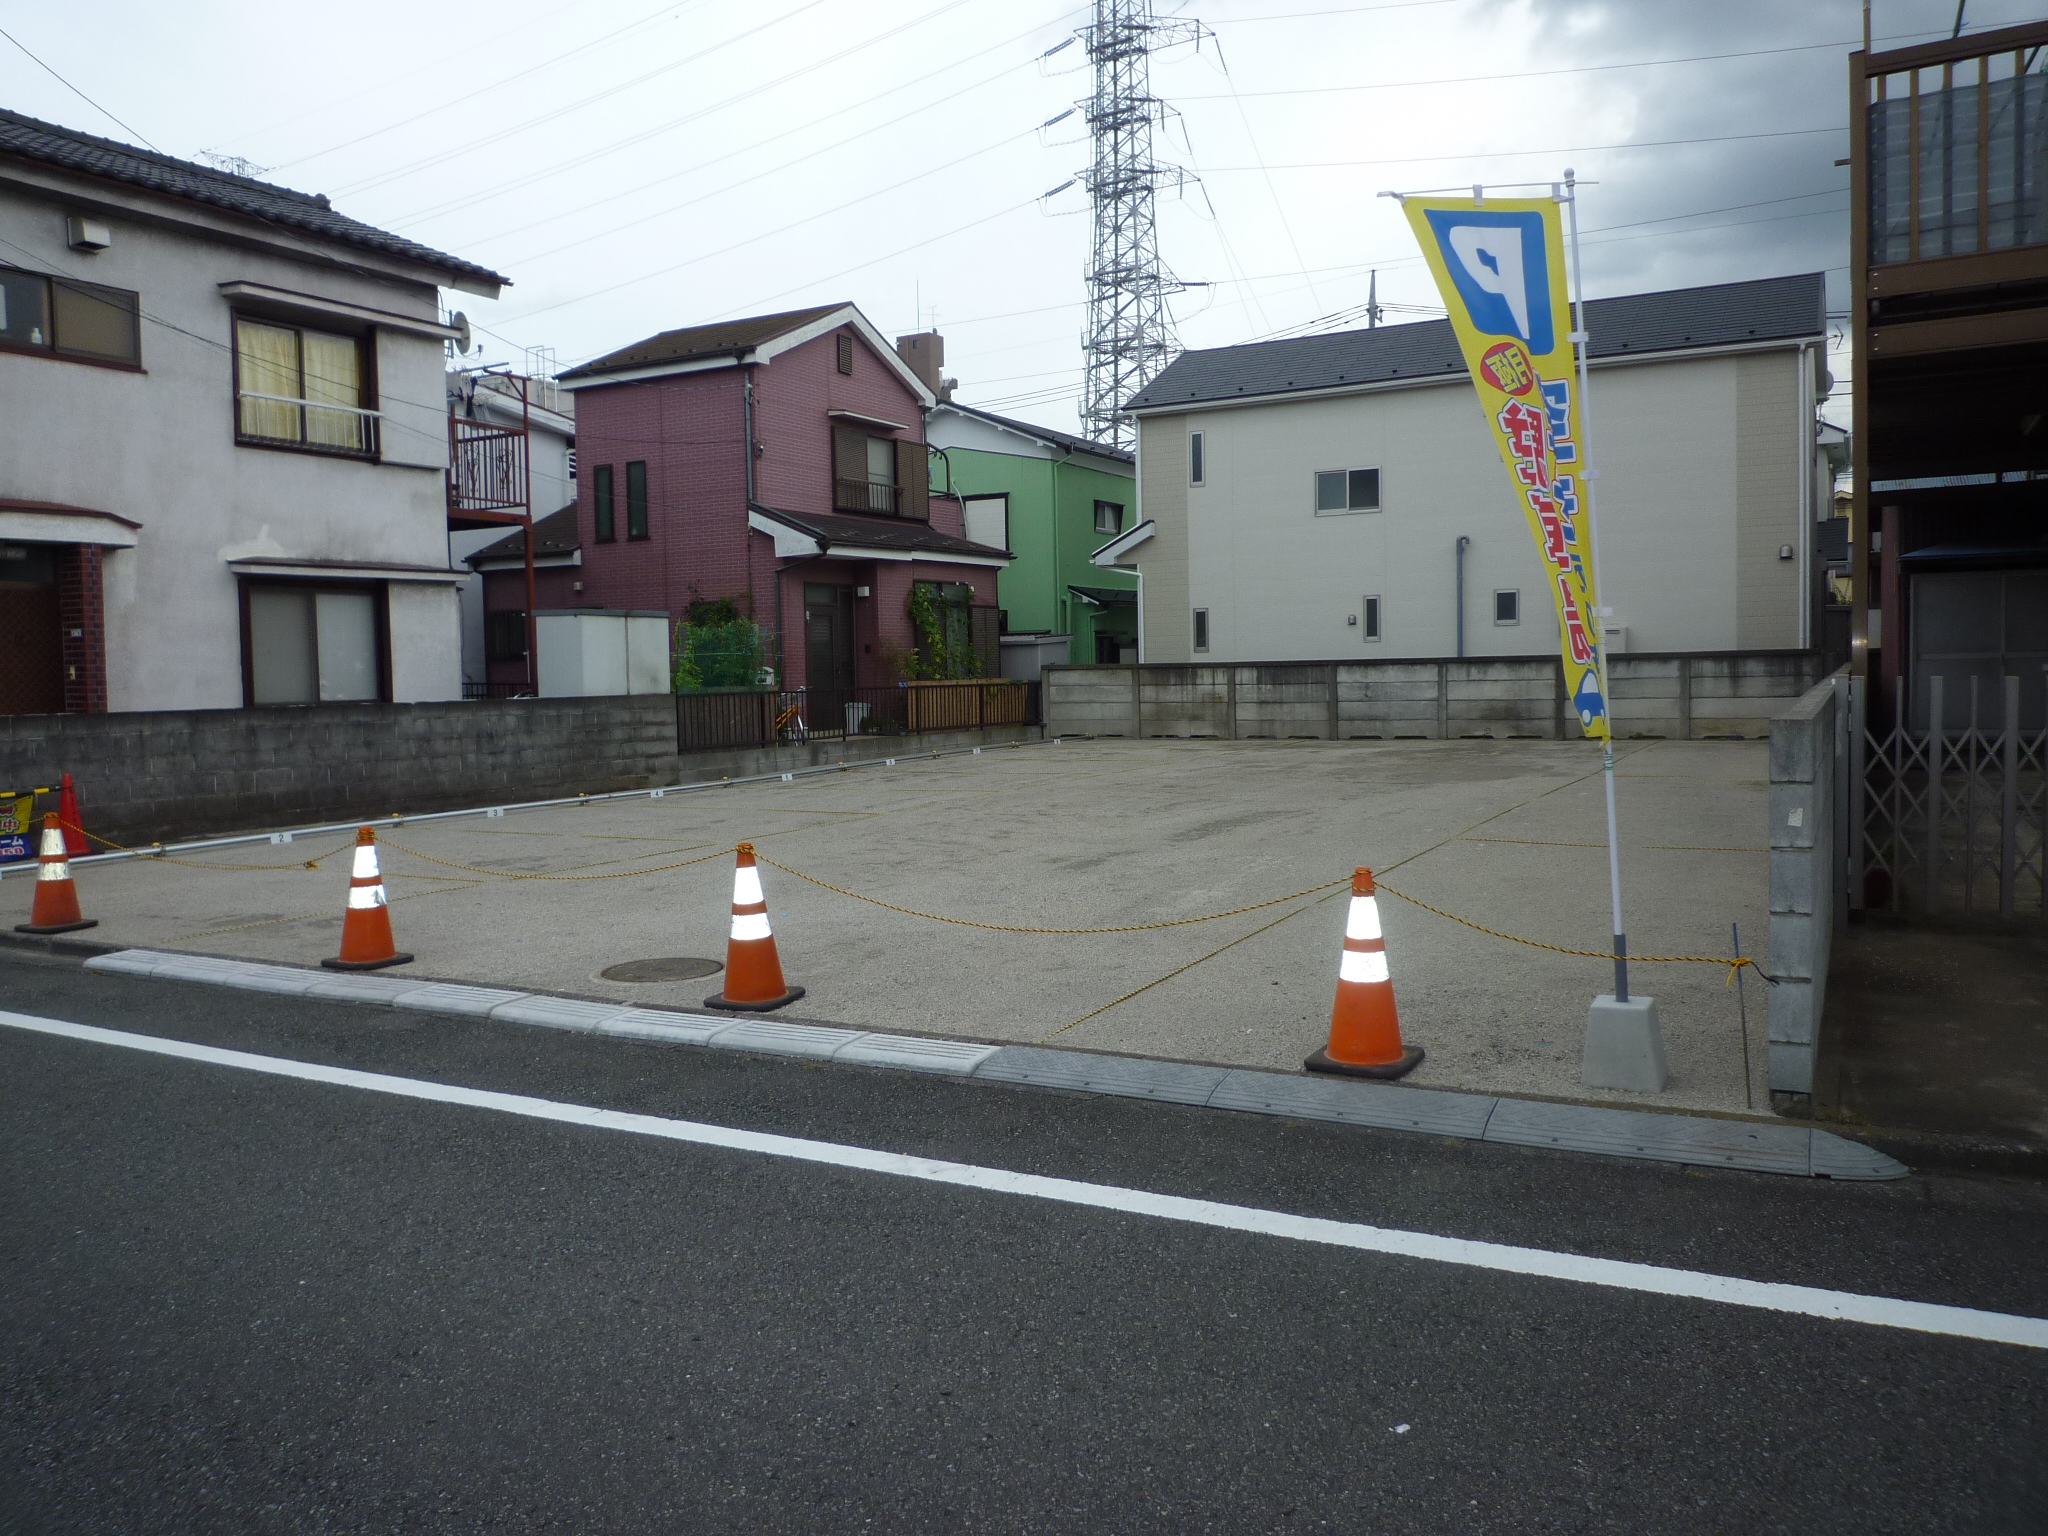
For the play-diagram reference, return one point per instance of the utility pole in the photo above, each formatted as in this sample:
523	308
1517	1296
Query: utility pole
1130	333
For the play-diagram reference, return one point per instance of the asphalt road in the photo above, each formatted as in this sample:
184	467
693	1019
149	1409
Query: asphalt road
234	1302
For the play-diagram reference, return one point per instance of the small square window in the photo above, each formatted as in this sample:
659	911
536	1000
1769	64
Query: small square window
845	353
1195	465
1201	629
1372	619
1109	517
1347	490
1507	607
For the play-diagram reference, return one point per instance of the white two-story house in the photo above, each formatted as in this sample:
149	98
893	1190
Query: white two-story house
1340	496
223	440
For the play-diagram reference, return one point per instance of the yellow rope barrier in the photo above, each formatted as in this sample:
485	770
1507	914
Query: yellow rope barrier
505	874
1588	954
963	922
156	851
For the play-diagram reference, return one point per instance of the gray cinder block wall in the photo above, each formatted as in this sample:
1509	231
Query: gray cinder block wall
1807	883
1683	696
164	775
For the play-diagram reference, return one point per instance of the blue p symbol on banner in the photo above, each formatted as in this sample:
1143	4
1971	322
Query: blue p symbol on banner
1502	271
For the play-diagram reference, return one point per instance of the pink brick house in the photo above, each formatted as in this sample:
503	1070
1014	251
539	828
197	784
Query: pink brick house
818	532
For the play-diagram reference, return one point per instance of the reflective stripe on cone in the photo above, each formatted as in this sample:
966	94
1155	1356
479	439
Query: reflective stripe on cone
56	901
1365	1030
366	943
753	968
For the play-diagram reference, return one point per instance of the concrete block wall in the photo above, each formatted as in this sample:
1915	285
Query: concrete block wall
1807	878
1682	696
160	777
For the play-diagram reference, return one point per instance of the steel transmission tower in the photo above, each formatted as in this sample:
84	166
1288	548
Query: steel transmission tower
1130	332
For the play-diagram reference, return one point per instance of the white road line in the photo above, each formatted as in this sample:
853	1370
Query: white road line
1652	1279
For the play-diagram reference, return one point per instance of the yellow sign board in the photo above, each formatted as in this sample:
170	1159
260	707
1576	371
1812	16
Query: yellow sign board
1500	267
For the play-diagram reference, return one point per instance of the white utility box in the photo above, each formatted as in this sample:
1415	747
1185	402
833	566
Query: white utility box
600	652
1026	656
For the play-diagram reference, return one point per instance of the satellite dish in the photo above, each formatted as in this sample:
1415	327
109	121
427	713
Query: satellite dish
460	322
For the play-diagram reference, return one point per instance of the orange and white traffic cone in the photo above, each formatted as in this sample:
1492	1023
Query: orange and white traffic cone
753	970
1365	1033
366	925
67	813
56	906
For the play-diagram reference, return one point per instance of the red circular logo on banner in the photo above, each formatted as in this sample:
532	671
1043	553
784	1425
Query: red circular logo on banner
1508	368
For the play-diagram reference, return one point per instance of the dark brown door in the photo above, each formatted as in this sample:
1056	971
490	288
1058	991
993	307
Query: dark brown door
31	642
828	650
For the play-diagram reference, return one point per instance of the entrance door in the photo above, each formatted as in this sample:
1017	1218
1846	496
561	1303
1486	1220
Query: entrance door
828	652
31	640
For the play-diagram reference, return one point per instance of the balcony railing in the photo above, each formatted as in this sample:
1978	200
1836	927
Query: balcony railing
321	425
486	467
1958	157
865	496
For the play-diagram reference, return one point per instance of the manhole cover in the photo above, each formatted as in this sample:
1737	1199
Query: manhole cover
675	968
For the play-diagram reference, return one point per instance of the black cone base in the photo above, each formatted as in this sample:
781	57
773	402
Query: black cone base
1411	1058
367	965
90	922
720	1000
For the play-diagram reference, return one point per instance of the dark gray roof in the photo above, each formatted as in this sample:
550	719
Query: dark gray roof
1050	435
721	338
1767	309
555	534
30	138
878	532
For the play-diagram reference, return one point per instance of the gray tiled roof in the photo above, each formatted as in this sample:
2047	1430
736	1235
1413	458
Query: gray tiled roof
1768	309
30	138
555	534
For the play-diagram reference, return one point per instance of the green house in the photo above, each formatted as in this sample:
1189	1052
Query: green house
1052	500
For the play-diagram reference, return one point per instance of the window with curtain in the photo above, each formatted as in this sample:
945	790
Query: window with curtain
301	388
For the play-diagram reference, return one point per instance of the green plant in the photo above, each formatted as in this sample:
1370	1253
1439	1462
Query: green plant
718	647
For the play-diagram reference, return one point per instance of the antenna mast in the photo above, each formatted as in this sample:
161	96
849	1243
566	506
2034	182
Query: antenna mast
1130	333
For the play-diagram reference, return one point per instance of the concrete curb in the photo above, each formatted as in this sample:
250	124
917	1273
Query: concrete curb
1697	1140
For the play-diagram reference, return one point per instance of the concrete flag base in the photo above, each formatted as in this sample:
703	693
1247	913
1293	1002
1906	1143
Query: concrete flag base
1624	1046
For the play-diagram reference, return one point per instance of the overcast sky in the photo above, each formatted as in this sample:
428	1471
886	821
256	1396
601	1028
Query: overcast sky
633	167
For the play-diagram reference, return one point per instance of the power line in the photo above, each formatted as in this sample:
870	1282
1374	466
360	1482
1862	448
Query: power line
525	179
925	106
1504	154
74	90
499	135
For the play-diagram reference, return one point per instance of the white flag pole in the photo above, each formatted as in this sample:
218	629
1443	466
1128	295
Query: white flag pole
1590	477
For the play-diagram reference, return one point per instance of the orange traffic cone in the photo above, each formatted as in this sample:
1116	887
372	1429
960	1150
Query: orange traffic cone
366	925
67	813
753	970
1365	1033
56	908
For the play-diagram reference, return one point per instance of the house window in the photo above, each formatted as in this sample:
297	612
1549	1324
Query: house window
636	499
313	645
1201	629
1347	490
62	318
606	529
569	458
845	353
886	476
1507	607
1109	517
1372	619
505	634
1195	458
302	389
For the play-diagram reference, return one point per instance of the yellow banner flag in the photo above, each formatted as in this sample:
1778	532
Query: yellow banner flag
1500	267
